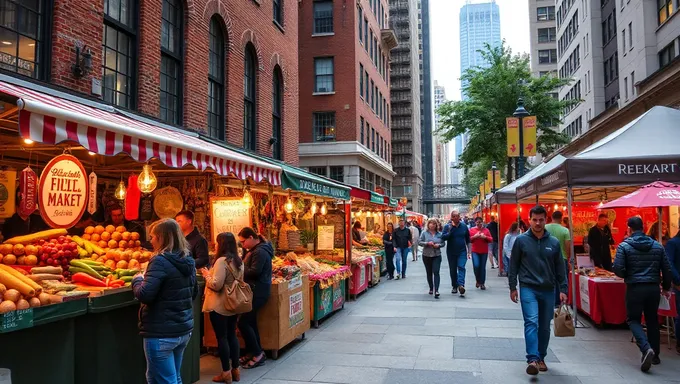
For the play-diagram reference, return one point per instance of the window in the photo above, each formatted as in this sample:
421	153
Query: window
23	35
119	47
630	35
323	17
625	87
361	131
277	109
665	10
361	25
368	137
361	80
632	83
546	35
337	173
545	13
623	33
323	74
667	55
171	62
249	74
318	171
366	34
278	12
373	139
546	56
324	126
367	90
372	95
216	81
370	42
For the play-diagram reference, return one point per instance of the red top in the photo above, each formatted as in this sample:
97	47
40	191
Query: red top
480	245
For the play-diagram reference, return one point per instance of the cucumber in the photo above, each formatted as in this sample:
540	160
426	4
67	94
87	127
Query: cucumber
126	279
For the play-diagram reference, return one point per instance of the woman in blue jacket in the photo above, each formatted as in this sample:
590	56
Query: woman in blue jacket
166	291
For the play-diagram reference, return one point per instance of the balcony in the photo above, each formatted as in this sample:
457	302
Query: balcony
389	39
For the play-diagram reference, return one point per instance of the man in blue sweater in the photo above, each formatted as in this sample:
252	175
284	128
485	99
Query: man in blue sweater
673	253
457	237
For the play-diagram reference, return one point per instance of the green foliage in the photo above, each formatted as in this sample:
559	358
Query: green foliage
492	96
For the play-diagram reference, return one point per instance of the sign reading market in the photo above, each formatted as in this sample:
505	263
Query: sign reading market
63	192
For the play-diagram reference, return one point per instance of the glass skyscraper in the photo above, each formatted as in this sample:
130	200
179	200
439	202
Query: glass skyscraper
480	24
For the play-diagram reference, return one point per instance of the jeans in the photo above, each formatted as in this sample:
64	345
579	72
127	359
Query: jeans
506	264
401	256
558	301
247	325
493	248
644	298
537	310
432	267
457	268
389	259
479	266
164	359
227	343
677	319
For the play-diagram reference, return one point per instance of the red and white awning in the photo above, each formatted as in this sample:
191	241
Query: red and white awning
50	119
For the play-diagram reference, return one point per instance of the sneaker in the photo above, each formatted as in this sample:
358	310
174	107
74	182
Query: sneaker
482	287
436	295
542	367
647	358
390	277
397	277
454	290
493	267
403	276
461	290
430	292
532	368
656	360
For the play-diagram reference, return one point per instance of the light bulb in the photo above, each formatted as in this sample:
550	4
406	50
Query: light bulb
360	212
147	181
28	141
556	206
313	208
324	210
247	199
289	205
121	191
91	153
601	204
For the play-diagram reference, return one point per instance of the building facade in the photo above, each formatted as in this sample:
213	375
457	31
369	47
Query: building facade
345	93
405	112
229	72
543	37
428	145
480	24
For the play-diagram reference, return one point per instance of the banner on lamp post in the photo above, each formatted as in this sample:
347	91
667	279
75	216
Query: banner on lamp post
512	127
497	178
529	135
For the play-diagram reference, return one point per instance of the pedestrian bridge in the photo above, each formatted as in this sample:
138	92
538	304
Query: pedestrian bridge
445	194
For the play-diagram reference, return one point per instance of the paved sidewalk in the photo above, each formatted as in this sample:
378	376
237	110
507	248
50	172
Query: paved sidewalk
396	333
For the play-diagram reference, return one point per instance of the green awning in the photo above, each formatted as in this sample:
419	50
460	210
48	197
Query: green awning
298	180
377	198
394	202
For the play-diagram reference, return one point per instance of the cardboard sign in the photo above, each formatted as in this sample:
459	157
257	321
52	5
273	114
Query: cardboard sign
228	215
63	192
585	294
8	180
15	320
325	238
296	311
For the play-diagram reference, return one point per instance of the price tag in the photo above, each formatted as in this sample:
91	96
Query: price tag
16	320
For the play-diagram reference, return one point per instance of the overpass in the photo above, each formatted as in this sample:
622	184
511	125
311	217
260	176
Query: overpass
445	194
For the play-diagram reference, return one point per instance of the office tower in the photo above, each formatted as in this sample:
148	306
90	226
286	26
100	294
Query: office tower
405	110
426	110
344	92
543	37
480	24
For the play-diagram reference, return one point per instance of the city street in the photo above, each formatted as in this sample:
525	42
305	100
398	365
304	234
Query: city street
397	333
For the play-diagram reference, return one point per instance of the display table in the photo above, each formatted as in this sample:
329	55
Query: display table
326	301
602	299
361	275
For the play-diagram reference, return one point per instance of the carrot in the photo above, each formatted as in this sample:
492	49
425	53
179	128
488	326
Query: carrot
37	287
12	282
86	279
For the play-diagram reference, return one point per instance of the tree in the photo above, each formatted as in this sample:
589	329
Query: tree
492	92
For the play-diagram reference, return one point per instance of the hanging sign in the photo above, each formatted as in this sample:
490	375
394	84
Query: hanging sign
63	192
92	194
8	181
512	125
28	193
228	215
529	136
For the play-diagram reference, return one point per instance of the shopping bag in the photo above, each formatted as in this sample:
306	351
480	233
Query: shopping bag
664	303
564	323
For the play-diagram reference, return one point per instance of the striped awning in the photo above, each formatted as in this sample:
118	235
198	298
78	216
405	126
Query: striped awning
50	119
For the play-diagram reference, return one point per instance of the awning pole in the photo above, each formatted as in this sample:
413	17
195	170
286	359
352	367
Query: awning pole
659	212
572	256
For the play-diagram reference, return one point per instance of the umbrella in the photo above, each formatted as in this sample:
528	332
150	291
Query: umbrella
657	194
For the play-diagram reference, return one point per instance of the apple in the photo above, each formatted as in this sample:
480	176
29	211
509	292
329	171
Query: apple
49	261
68	253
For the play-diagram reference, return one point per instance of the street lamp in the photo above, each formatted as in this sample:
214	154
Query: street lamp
520	113
494	168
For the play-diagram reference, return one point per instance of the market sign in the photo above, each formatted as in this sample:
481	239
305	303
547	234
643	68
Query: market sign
228	214
529	136
376	198
63	190
296	313
394	202
512	126
298	181
15	320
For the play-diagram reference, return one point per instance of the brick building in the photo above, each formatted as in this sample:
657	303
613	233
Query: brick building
227	69
344	54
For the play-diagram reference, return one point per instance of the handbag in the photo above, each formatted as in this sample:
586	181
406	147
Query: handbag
564	323
238	297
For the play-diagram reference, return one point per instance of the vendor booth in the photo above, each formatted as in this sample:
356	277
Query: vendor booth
643	151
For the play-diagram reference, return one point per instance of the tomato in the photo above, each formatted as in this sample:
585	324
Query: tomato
50	261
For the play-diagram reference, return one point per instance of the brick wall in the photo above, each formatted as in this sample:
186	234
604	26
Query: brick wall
80	22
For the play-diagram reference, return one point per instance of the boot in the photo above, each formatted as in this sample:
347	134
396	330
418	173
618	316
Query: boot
224	377
236	374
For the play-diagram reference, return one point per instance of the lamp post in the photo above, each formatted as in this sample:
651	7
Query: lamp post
521	113
494	168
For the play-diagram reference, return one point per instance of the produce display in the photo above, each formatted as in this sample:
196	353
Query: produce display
326	272
284	270
596	272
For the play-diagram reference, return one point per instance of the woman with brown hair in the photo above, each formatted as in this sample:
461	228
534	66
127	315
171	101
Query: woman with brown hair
166	291
431	241
227	268
257	263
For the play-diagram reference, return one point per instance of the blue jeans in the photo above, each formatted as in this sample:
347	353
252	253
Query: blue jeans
537	309
400	257
493	248
479	266
506	264
457	268
164	359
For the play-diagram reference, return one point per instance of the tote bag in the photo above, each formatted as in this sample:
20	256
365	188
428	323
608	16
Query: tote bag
564	323
238	296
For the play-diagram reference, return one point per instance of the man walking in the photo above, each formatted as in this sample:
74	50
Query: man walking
457	237
415	234
673	253
537	261
640	261
402	241
562	234
493	245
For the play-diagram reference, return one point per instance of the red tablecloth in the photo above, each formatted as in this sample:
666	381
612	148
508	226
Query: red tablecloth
607	301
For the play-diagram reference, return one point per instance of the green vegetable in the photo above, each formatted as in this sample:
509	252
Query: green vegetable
126	272
126	279
86	269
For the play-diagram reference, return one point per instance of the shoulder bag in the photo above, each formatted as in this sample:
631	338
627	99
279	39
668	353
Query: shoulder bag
238	298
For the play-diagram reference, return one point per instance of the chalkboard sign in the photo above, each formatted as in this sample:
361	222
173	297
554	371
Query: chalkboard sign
146	208
15	320
228	214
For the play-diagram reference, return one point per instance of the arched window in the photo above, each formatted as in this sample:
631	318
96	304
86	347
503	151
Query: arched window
216	81
172	55
249	79
277	113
